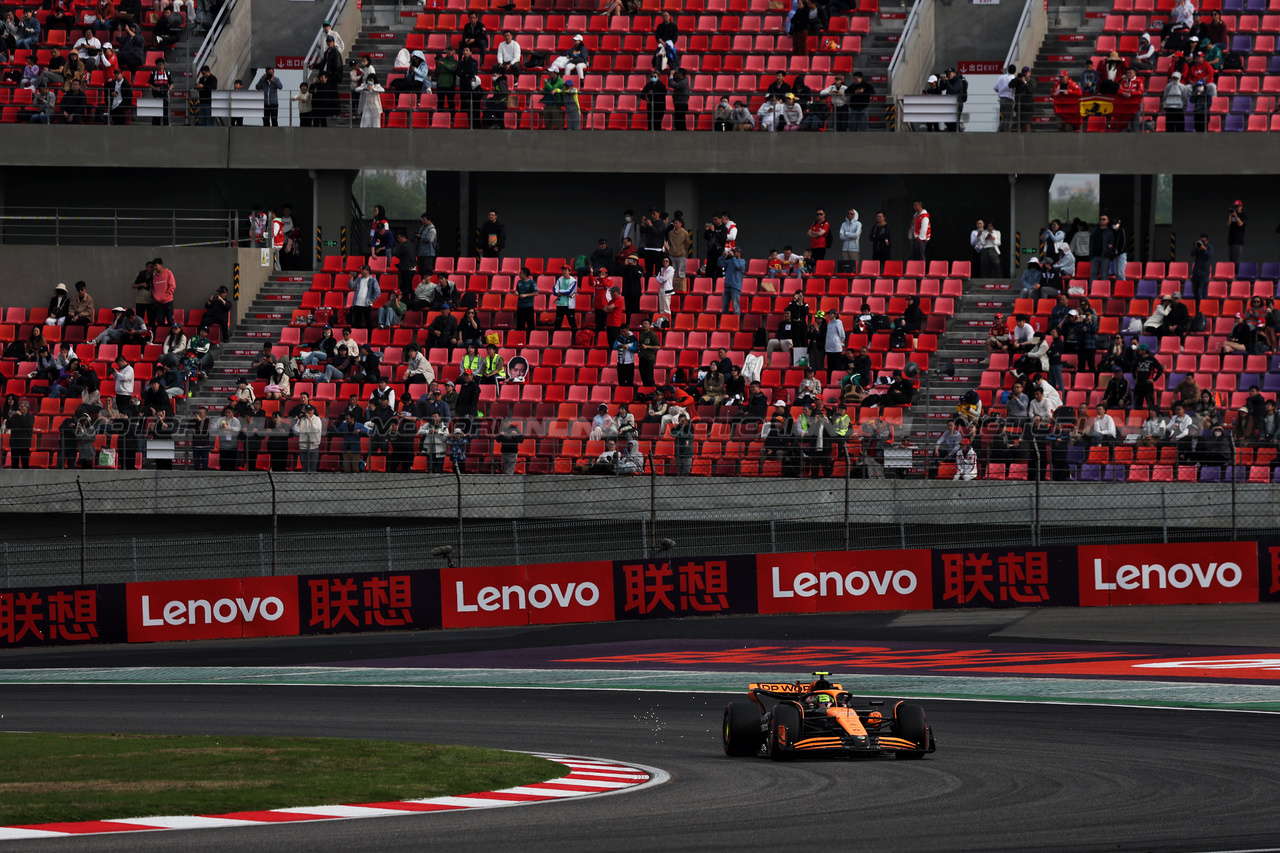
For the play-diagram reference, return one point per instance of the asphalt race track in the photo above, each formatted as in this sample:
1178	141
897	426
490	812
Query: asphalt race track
1006	776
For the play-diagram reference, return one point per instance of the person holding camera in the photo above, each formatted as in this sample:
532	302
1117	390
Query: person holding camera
1236	221
1201	269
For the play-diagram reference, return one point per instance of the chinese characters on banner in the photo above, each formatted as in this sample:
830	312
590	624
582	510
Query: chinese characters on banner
691	586
48	616
382	601
1004	577
1269	571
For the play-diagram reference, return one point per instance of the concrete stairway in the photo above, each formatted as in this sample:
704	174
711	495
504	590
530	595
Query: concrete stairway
1073	31
262	320
962	347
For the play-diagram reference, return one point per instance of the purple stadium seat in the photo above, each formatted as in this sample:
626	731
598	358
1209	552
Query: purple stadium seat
1270	269
1249	380
1233	124
1210	475
1275	476
1271	382
1146	289
1150	340
1242	104
1115	472
1242	44
1090	472
1232	5
1247	270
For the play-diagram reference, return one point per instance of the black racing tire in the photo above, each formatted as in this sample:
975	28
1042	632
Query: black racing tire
909	723
742	729
788	718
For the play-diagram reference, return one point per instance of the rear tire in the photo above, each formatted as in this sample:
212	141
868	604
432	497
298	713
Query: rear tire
742	729
909	724
786	717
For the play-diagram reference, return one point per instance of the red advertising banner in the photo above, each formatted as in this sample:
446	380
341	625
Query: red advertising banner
838	581
526	595
212	609
1181	573
61	616
290	62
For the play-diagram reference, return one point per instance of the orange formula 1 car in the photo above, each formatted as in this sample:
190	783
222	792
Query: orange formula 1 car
820	718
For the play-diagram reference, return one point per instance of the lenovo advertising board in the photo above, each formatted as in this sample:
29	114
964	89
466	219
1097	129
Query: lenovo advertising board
1177	573
526	595
212	609
833	581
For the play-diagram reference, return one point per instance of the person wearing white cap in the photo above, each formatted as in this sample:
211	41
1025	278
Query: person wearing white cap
1174	104
59	305
575	61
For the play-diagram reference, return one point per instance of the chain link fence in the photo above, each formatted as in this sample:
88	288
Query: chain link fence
101	527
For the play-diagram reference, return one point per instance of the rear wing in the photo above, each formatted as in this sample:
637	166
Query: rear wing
785	691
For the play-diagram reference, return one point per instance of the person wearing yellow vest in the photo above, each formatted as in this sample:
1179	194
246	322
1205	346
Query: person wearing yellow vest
471	359
493	369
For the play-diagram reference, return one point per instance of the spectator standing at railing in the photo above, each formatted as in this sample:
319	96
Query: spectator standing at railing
119	97
680	100
1174	102
371	102
330	61
655	95
269	86
466	79
205	84
553	101
1004	92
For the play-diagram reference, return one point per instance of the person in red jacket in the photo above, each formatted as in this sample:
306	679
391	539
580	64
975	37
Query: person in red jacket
1065	86
820	236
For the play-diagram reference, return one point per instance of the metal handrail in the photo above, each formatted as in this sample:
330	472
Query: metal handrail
908	34
200	58
1024	24
121	226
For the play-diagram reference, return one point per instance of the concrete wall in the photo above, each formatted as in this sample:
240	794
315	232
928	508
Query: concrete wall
267	151
32	271
283	28
968	32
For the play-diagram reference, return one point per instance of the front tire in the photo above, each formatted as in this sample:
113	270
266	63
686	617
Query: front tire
784	728
741	729
909	724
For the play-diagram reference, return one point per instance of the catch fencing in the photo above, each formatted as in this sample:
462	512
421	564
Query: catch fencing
106	527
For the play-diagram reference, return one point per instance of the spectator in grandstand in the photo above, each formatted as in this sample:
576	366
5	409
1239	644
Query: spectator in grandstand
28	30
616	7
654	94
493	236
119	98
1237	219
508	60
433	435
269	86
352	432
680	91
364	292
1146	372
20	424
790	113
602	425
565	290
206	84
632	285
900	393
1176	319
650	343
163	288
1182	431
1101	429
769	116
371	101
457	447
998	337
1205	410
1174	103
1268	429
474	36
948	444
1101	244
1249	416
125	328
1201	268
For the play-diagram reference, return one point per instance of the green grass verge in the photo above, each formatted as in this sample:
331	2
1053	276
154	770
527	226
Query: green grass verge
46	778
